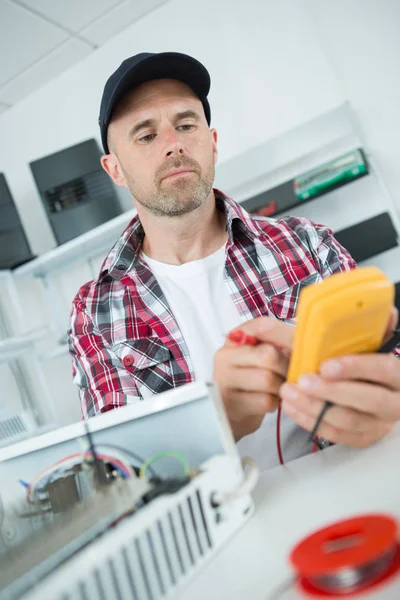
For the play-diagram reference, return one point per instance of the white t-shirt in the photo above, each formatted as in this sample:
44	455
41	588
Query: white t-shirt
199	299
200	302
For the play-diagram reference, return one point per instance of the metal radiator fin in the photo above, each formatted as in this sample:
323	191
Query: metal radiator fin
150	566
153	550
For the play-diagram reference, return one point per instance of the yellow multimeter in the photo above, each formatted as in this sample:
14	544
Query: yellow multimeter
347	313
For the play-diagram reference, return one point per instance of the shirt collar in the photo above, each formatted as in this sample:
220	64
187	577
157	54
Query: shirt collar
125	253
237	218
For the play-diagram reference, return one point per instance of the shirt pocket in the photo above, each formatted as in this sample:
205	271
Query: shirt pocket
285	303
148	361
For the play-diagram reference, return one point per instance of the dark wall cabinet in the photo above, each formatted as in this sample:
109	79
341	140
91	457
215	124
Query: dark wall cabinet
369	238
14	247
76	193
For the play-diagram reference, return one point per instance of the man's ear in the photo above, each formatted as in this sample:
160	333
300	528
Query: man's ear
215	142
112	167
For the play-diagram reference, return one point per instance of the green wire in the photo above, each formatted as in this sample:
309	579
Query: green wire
156	457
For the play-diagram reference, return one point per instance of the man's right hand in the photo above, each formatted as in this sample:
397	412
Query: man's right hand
249	377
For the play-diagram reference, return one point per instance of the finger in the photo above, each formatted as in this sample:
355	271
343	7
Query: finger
255	380
273	359
339	436
268	329
242	404
262	356
343	418
378	368
364	397
393	320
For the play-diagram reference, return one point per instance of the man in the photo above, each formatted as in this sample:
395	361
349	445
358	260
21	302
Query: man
193	266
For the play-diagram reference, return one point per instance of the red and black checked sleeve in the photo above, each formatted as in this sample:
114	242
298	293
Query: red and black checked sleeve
102	381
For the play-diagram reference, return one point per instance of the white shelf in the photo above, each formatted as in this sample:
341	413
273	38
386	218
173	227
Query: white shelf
61	350
81	248
14	347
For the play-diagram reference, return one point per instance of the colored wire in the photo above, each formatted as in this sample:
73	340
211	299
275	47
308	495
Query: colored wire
327	405
133	455
70	461
101	475
386	348
278	435
239	338
160	455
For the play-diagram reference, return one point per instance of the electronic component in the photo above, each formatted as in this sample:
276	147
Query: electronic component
83	517
189	420
113	546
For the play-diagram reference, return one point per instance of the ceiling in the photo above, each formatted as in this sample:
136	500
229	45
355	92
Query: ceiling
41	38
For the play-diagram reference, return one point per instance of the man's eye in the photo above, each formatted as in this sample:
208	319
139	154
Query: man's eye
147	138
186	127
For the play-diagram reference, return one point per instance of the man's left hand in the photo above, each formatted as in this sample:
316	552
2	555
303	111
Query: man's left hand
364	390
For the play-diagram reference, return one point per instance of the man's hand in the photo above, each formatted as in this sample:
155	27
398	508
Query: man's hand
364	390
250	377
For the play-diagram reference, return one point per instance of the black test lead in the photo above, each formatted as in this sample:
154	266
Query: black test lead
385	349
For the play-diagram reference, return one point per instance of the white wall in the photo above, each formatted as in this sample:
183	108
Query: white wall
361	41
262	56
274	66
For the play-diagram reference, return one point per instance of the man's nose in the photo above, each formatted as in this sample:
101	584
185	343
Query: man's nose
173	143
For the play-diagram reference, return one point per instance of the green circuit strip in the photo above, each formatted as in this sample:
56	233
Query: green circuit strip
329	175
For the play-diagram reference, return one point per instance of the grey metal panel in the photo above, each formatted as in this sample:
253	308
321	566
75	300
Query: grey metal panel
9	218
71	223
14	247
66	165
77	194
5	195
369	238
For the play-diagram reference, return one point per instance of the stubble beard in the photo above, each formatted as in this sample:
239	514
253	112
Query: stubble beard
178	197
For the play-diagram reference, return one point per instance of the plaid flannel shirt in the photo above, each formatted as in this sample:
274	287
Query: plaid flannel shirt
124	340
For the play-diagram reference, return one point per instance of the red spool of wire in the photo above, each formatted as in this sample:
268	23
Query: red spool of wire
347	557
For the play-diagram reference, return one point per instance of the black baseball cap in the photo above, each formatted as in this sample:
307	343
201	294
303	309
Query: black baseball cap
147	66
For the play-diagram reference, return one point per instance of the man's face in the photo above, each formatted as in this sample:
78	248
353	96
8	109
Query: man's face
162	148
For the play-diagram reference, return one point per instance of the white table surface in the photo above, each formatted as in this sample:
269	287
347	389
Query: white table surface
292	501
